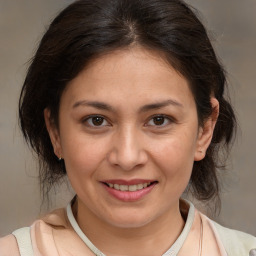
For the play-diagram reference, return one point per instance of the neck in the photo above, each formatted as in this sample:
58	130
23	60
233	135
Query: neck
154	238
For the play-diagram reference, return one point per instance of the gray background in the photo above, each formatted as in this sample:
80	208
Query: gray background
22	22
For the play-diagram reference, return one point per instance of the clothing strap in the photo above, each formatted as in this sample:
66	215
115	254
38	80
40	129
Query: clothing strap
173	251
23	238
235	242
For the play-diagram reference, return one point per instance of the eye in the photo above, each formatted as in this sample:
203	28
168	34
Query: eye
160	120
96	121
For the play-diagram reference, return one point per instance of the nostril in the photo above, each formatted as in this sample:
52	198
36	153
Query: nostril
126	159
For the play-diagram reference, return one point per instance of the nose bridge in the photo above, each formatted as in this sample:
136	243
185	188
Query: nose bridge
128	149
130	143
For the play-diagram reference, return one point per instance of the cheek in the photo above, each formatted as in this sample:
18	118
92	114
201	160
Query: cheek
175	157
83	154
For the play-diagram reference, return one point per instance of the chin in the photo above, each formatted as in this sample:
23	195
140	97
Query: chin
130	224
132	220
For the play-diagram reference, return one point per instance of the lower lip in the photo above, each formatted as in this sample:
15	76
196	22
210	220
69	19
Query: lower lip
129	196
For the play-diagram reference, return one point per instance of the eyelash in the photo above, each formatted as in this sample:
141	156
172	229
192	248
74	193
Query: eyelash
92	116
168	118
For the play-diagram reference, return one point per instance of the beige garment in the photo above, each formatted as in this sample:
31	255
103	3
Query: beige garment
53	235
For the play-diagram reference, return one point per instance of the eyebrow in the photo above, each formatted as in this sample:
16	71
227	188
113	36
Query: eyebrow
145	108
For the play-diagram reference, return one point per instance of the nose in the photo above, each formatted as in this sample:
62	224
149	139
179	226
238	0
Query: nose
127	150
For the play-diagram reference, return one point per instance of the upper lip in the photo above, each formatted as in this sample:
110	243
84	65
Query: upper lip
128	182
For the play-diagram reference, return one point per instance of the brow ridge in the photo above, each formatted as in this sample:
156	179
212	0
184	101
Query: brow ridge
104	106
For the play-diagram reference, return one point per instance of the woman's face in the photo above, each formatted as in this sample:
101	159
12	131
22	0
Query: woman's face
128	133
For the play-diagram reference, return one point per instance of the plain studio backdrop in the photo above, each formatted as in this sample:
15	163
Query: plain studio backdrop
22	23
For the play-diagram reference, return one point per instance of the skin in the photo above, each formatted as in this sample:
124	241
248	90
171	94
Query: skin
129	144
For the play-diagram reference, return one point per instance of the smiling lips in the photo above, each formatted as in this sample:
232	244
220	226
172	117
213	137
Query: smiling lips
129	187
129	190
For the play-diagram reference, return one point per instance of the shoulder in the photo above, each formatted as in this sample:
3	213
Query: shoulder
55	220
9	246
235	242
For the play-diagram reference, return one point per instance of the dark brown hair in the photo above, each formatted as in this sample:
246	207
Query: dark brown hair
87	29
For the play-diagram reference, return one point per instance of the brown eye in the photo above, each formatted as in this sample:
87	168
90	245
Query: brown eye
159	120
96	121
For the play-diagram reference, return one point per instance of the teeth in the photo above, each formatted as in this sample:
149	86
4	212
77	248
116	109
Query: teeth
123	187
116	186
140	186
131	188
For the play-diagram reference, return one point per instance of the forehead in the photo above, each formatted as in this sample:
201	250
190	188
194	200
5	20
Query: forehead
133	74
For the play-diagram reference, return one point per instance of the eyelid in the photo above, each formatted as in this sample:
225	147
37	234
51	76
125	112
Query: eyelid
85	120
169	118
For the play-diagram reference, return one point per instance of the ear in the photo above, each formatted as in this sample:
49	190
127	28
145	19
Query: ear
53	133
206	131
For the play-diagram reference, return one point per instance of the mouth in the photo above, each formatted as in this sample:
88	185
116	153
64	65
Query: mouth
130	188
129	191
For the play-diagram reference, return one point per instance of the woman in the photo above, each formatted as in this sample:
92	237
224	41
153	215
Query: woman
126	98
